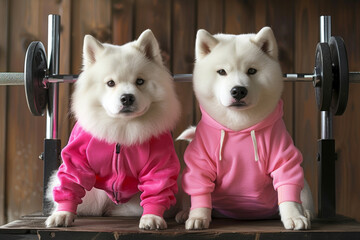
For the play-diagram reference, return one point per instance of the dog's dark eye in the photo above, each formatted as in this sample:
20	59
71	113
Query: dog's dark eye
251	71
140	81
110	83
221	72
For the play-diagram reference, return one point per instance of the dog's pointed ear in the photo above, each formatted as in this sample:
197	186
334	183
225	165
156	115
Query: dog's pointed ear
205	42
148	44
266	41
91	50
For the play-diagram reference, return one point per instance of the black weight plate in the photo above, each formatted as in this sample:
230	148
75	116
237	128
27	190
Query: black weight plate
323	72
34	72
341	75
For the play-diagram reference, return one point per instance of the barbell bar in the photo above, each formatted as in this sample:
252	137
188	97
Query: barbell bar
17	78
330	78
11	78
354	77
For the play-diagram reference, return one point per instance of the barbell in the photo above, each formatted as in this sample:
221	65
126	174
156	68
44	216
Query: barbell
35	78
330	78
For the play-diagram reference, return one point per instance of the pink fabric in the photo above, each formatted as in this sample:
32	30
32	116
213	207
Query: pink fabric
238	186
151	167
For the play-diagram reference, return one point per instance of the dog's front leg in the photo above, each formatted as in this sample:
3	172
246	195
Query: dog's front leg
152	222
199	218
294	217
60	219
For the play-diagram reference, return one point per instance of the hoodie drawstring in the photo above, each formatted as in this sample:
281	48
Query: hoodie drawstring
255	145
253	137
222	136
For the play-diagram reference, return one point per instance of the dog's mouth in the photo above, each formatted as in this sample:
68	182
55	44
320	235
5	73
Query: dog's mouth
127	110
238	104
132	112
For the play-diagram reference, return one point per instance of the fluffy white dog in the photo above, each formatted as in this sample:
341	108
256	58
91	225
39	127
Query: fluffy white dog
125	106
242	162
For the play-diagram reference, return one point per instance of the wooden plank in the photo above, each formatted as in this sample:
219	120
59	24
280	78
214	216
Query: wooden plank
96	21
155	15
126	225
261	16
306	117
198	235
240	16
122	21
280	16
215	9
3	93
183	36
31	236
127	228
25	132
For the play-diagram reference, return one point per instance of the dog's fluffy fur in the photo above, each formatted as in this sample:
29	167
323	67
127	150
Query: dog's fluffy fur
98	109
244	52
236	54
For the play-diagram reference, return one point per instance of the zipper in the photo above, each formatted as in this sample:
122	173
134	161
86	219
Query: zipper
117	150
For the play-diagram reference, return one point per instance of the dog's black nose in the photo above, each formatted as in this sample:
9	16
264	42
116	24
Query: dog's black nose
127	100
238	92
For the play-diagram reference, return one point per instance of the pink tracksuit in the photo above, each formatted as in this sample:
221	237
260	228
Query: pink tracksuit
121	171
243	174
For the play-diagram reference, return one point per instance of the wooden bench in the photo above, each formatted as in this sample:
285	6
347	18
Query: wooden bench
32	227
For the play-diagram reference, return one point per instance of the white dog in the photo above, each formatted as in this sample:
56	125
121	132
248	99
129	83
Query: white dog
242	162
125	106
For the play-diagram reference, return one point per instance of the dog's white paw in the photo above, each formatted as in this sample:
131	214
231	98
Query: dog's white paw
60	219
294	217
182	216
152	222
199	218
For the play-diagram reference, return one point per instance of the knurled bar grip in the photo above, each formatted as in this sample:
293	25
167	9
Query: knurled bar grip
11	78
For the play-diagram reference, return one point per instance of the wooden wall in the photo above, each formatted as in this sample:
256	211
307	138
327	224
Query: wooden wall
174	23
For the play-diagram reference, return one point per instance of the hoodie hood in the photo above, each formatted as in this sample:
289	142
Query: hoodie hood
268	121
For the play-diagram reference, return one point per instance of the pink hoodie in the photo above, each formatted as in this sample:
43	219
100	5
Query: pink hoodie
121	171
243	174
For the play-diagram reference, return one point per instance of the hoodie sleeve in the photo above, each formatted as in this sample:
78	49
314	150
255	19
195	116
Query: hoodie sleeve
75	174
158	178
200	172
284	164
